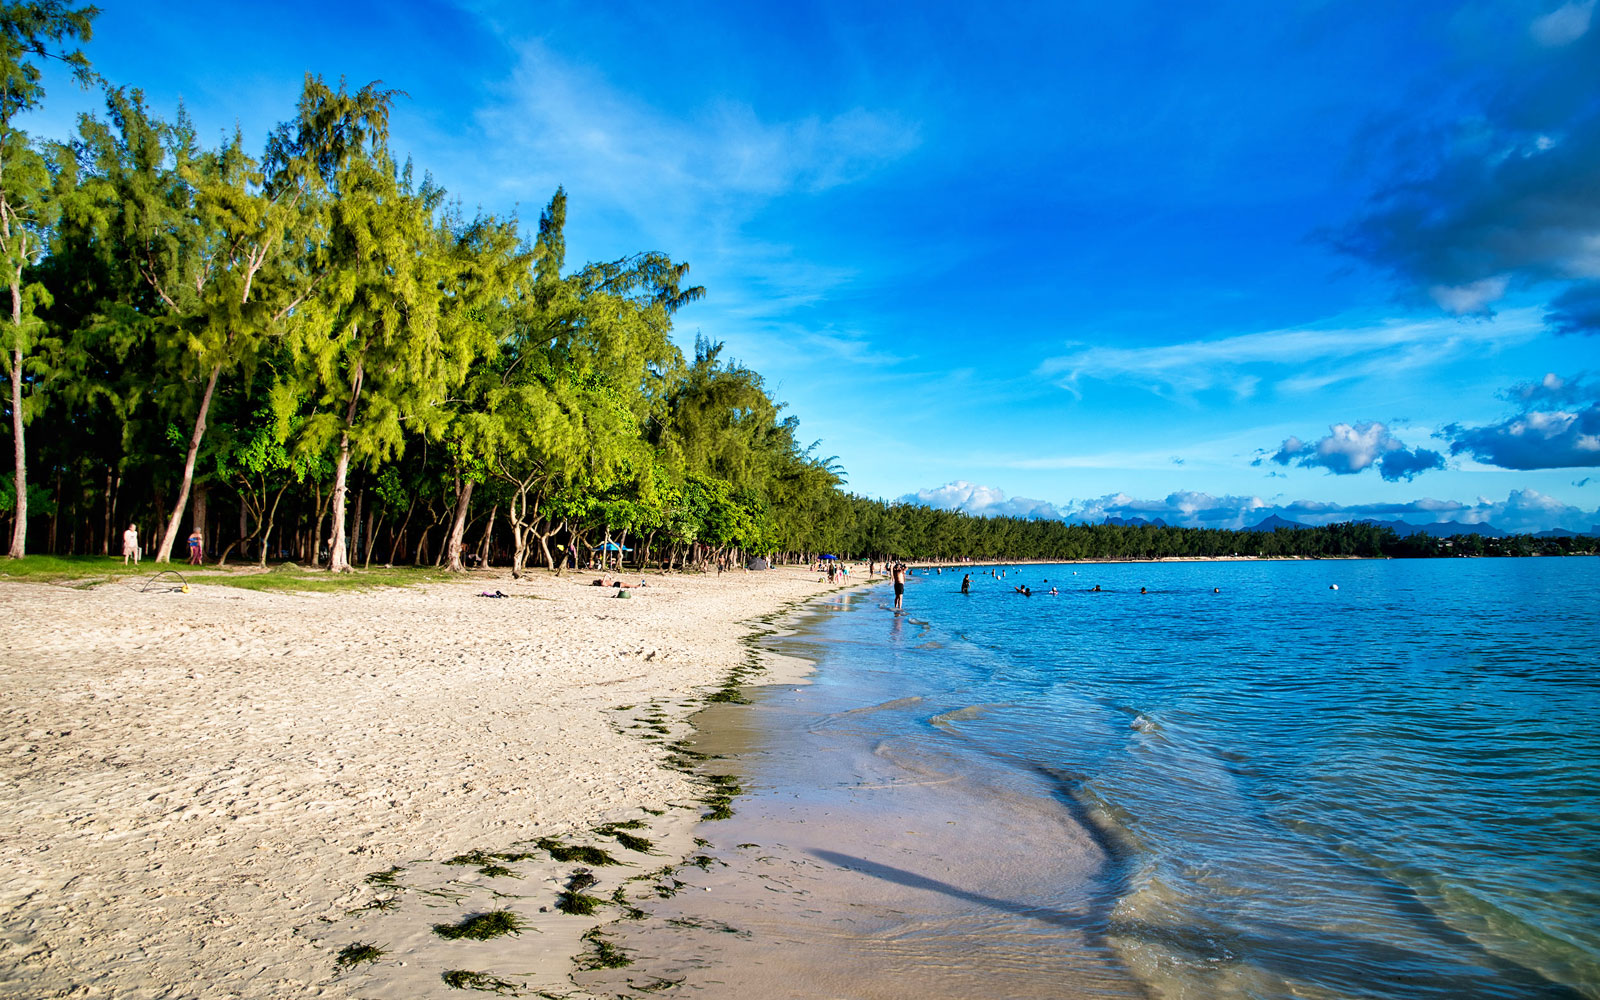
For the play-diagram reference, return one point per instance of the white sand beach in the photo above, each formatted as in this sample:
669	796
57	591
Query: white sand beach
198	786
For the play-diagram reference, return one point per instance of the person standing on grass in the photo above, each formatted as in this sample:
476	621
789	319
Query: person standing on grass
899	574
197	548
130	545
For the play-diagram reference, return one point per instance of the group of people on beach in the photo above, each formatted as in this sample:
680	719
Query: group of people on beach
131	552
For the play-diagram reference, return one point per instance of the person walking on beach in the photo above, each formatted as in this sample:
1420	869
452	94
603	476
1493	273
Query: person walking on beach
130	545
899	574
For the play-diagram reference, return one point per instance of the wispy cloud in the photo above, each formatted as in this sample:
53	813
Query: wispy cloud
1290	360
564	123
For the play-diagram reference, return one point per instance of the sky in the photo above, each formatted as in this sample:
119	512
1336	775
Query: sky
1326	260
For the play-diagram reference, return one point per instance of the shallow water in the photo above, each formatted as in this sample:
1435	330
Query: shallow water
1385	790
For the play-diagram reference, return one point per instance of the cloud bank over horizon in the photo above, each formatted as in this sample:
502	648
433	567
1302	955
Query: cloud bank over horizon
1524	510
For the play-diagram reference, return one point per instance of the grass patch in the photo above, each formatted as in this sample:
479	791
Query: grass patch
582	854
481	926
358	954
296	579
60	569
603	954
466	979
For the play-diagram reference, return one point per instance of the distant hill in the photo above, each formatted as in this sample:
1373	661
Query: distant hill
1558	533
1276	523
1136	522
1439	529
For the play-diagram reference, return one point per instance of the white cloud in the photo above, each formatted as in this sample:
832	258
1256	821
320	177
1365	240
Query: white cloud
982	501
1185	369
1469	299
1564	25
562	123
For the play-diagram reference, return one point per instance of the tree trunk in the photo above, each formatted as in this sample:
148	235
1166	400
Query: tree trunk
19	528
164	553
338	562
459	528
488	537
105	543
372	536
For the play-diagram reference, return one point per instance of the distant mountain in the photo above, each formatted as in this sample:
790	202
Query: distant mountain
1558	533
1276	523
1136	522
1438	529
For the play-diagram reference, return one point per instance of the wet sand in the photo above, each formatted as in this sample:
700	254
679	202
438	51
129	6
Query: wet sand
858	865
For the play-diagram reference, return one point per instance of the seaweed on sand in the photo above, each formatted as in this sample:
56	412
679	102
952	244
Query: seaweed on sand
582	854
358	954
573	899
619	831
466	979
481	926
605	954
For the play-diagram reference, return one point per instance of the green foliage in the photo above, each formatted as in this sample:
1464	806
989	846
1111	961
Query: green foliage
315	331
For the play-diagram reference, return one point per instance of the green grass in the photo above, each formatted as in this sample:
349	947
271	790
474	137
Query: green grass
358	954
85	571
481	926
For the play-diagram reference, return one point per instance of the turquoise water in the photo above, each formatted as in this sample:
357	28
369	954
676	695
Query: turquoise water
1391	789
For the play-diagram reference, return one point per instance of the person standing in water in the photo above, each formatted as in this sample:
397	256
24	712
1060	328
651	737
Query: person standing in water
899	574
966	584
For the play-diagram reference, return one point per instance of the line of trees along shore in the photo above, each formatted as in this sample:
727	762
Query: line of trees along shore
314	354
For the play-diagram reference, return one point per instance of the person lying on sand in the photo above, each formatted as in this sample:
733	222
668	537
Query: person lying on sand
608	582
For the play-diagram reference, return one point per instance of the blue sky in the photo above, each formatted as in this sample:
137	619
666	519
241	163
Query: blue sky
1328	260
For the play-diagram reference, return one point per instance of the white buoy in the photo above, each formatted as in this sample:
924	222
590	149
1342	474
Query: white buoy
1333	586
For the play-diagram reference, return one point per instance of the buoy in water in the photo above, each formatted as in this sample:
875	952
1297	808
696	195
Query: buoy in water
1333	586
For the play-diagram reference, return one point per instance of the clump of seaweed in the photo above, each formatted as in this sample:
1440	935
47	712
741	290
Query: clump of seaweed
487	862
358	954
386	877
629	911
720	801
623	837
605	954
382	904
466	979
481	926
574	901
582	854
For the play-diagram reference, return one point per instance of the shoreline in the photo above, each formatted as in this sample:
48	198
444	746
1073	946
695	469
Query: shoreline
233	788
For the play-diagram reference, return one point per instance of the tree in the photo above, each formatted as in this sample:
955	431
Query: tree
29	32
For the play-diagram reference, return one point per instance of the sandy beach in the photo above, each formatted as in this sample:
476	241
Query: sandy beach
216	793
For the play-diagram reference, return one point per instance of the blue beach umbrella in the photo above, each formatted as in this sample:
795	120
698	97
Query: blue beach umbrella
612	547
827	557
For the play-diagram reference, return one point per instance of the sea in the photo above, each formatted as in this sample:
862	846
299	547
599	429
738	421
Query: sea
1309	779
